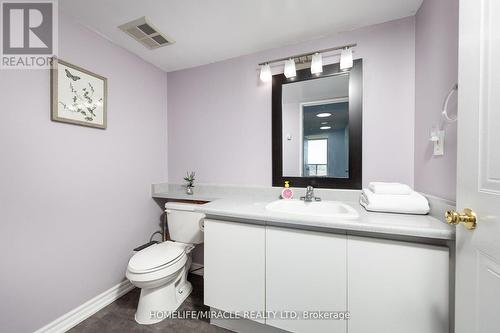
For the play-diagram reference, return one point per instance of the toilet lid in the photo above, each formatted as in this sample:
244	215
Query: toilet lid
156	256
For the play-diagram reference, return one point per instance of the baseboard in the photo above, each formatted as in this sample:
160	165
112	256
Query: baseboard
196	269
79	314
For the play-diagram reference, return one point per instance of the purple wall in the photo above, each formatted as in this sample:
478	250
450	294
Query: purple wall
220	114
75	201
436	70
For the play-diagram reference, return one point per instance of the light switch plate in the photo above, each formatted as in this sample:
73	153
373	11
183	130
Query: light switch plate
439	144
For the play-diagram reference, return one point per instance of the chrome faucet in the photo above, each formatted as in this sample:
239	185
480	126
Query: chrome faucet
310	195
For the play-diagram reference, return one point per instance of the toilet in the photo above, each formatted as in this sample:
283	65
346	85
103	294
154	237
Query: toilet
160	270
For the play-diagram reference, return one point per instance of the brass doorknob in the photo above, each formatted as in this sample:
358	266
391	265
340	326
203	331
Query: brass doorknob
468	218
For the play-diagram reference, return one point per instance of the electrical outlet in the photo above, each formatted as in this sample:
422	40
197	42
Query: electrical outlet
439	144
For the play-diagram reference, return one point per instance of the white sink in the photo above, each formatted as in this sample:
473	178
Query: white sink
334	209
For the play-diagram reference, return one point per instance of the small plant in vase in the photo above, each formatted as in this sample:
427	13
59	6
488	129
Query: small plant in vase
190	182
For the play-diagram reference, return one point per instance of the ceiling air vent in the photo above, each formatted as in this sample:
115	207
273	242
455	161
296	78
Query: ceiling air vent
145	33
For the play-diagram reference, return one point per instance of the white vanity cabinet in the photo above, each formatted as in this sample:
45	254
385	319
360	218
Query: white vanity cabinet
386	286
234	273
305	271
397	286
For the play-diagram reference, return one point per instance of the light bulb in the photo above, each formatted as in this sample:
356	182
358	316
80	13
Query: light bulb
290	68
316	63
265	73
346	59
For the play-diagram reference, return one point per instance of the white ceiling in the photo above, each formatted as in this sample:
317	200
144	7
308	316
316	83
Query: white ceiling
321	89
207	31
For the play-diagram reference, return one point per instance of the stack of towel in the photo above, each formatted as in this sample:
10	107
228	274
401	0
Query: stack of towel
393	198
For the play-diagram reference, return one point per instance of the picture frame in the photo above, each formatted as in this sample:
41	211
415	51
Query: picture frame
78	96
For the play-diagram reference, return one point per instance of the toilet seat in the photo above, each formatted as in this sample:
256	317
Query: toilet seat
156	257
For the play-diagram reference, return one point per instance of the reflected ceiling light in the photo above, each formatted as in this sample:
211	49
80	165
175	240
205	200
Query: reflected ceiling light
265	73
290	68
323	115
316	63
324	122
325	127
346	59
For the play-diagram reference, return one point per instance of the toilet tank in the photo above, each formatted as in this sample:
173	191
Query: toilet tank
184	224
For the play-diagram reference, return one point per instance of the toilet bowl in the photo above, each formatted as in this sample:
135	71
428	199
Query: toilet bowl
160	270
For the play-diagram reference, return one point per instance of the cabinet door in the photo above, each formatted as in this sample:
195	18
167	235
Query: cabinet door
234	266
397	287
305	271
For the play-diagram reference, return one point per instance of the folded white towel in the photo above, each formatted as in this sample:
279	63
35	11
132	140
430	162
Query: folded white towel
413	203
389	188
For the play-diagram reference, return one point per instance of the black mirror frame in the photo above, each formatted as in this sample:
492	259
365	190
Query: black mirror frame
355	129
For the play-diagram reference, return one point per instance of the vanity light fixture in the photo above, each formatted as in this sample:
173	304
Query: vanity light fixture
265	73
290	68
323	115
316	63
324	122
315	59
346	59
325	127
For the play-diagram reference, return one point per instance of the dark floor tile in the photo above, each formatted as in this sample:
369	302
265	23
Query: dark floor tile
111	322
119	316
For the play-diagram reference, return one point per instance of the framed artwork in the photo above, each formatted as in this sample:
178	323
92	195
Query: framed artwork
78	96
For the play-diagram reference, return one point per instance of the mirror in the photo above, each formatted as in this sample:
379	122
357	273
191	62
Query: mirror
315	123
317	128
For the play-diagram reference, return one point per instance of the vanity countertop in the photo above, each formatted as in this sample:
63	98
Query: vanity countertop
422	226
248	205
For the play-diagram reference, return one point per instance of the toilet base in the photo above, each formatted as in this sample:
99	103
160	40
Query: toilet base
155	304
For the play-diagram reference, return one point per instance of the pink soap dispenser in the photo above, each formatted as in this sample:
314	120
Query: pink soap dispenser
287	192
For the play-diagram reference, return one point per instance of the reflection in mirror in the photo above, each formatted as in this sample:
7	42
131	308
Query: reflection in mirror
315	127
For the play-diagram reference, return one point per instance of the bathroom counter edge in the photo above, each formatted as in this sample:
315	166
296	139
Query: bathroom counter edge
246	204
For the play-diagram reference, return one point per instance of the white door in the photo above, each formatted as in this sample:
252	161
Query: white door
305	273
478	182
397	287
234	275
